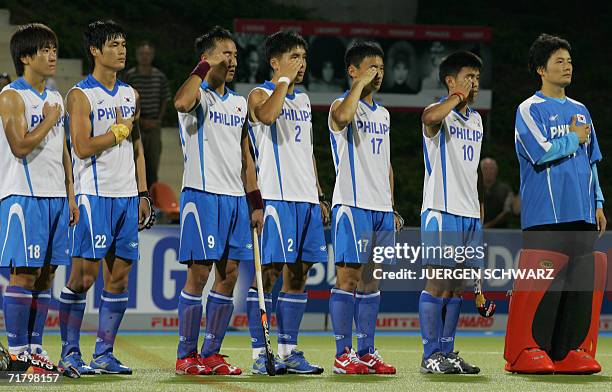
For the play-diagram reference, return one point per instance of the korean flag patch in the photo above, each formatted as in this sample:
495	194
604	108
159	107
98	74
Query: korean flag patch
581	118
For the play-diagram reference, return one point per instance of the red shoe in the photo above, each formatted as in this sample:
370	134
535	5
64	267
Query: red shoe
532	361
577	362
191	365
348	363
375	364
219	366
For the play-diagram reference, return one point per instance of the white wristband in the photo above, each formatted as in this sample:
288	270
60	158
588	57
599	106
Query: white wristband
284	79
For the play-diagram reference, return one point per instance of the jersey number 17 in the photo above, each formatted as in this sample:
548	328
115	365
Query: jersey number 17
376	143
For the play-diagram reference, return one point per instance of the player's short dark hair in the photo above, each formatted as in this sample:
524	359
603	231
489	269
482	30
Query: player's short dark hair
359	50
28	40
451	65
282	42
207	41
541	50
97	34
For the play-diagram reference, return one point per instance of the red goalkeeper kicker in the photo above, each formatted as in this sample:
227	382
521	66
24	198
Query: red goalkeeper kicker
601	266
526	297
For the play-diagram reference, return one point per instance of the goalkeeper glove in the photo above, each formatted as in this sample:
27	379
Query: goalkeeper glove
120	131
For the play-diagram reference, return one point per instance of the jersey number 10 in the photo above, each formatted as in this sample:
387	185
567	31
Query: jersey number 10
468	152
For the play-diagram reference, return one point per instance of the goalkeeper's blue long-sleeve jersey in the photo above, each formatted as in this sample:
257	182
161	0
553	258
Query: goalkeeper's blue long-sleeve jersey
558	176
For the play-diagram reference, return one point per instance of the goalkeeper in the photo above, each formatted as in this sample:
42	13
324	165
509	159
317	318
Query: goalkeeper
553	326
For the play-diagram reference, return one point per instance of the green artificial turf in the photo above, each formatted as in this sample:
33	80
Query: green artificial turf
153	356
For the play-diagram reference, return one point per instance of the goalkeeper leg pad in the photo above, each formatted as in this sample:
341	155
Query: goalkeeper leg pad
533	307
577	323
601	266
575	340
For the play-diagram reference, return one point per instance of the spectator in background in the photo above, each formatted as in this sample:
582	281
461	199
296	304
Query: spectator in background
498	196
152	86
5	80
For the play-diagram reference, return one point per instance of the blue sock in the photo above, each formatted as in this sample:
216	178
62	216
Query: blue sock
289	311
17	304
341	311
40	308
451	318
254	316
430	319
219	309
366	313
190	317
71	310
110	315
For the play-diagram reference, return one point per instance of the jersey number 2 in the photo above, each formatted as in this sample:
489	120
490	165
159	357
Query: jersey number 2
298	131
